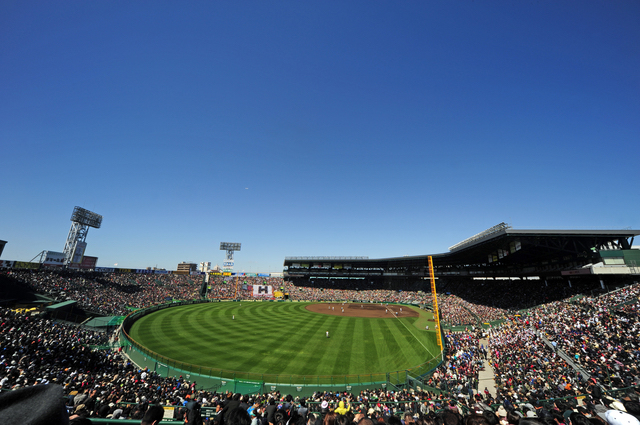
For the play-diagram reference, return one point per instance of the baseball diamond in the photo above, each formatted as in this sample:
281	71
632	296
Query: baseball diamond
290	338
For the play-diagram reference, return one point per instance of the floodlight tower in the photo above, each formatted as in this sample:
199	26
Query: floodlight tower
81	220
227	266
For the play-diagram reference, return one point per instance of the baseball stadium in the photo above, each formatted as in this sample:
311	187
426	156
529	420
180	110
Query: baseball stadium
430	325
350	338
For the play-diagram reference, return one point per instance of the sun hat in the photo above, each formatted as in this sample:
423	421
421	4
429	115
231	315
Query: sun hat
618	406
618	417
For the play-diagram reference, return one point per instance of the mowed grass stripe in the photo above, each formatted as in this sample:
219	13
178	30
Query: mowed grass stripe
202	337
226	334
265	335
372	360
290	340
174	330
327	349
316	344
384	345
286	346
313	336
237	337
345	334
159	334
418	344
358	355
395	343
281	338
198	336
312	332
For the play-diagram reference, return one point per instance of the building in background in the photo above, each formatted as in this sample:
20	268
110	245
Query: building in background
187	267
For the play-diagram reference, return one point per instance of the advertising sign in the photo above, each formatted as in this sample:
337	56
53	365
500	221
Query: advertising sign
53	258
105	269
26	265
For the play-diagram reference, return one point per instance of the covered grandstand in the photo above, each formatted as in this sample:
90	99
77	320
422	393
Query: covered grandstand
498	252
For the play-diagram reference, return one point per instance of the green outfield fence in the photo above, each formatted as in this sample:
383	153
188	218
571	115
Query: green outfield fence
250	383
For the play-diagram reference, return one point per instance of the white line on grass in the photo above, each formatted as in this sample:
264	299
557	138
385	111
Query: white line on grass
412	334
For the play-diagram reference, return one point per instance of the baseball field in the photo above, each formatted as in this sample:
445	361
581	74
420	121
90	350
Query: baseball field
310	339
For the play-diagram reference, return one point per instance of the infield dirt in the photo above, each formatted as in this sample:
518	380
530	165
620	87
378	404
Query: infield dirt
377	311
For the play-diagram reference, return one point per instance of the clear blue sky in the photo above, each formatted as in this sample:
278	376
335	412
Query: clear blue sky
313	128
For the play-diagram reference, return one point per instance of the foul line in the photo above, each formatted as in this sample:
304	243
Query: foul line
413	335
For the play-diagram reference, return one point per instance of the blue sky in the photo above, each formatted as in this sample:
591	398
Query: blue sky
314	128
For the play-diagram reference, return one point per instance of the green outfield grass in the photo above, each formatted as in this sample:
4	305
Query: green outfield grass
284	338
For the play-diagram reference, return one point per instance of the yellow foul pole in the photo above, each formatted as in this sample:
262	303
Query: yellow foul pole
436	314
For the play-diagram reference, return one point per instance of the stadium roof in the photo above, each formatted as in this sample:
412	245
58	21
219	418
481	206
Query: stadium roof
500	250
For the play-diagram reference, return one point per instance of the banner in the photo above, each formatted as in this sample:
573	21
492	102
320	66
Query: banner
6	264
26	265
53	258
105	269
262	291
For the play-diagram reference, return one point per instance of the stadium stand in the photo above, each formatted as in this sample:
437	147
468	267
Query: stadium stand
545	358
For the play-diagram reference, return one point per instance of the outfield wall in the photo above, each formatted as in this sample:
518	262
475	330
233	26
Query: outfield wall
250	383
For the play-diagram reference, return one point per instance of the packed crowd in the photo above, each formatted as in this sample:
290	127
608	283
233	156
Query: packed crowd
524	364
101	383
463	360
116	293
411	409
599	338
600	334
518	294
107	293
105	384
